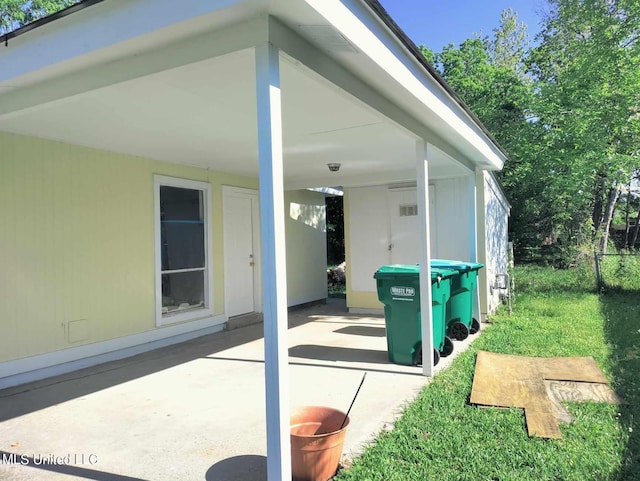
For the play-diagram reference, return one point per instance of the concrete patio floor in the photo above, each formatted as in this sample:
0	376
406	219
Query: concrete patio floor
195	411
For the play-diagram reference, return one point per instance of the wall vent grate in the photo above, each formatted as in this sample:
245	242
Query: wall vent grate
408	210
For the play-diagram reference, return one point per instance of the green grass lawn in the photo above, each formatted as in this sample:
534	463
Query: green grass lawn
557	313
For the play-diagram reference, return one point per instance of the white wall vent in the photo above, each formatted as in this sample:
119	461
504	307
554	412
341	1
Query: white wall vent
408	210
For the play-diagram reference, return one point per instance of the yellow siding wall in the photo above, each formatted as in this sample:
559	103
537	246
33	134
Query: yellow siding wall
77	242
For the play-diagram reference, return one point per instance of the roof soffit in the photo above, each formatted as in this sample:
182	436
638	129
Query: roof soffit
385	64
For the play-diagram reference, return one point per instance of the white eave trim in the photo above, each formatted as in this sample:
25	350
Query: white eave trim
99	27
59	82
406	71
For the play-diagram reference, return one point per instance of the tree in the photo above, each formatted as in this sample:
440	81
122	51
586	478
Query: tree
510	42
488	74
567	111
335	229
587	75
16	13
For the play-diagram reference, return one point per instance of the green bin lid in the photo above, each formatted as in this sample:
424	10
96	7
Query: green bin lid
411	270
457	265
475	265
398	270
443	273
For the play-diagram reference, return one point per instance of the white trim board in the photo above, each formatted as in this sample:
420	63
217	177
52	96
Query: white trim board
34	368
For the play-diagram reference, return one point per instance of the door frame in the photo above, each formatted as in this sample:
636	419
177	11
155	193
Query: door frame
252	194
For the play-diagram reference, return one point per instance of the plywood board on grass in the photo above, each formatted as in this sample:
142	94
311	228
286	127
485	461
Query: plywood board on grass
538	385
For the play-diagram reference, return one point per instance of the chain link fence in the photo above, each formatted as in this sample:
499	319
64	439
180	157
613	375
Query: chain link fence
617	271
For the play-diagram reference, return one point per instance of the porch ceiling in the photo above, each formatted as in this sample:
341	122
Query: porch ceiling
204	113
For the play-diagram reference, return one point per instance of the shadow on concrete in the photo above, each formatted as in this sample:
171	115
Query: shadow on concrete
239	468
27	398
71	466
363	331
332	353
327	366
31	397
37	395
342	320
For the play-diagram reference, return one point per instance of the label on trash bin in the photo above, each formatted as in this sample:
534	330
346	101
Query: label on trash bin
403	293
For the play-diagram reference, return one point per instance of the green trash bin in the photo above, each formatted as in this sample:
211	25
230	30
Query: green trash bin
399	291
460	321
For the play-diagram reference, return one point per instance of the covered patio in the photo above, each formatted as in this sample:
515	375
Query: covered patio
195	410
252	94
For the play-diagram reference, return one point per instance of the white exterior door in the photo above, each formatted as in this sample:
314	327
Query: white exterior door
404	235
241	250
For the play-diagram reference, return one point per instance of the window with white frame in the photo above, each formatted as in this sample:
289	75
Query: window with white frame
183	271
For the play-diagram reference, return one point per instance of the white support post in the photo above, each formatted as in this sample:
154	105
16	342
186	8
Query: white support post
481	236
473	240
274	278
422	156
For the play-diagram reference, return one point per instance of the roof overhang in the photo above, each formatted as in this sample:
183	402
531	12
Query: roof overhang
147	79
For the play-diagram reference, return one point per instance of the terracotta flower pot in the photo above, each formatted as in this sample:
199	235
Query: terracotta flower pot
316	442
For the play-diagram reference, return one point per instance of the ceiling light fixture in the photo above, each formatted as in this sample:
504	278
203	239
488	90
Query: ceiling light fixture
333	166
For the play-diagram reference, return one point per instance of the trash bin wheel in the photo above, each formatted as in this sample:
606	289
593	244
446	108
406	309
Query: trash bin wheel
436	356
475	326
459	331
448	347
